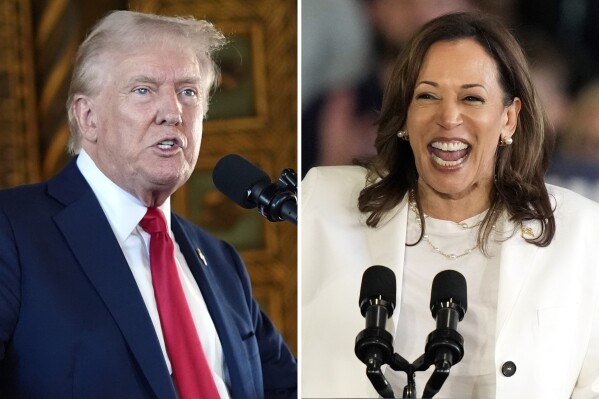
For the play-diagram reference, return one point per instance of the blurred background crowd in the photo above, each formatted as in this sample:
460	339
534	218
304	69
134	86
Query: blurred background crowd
348	47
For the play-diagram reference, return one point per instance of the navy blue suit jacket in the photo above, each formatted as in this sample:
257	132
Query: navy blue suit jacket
74	325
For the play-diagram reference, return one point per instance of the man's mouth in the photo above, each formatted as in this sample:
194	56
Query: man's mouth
166	144
449	153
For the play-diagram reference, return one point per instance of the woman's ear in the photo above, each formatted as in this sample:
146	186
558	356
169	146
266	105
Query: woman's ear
513	110
85	115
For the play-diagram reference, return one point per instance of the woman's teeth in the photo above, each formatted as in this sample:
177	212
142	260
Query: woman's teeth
449	153
449	146
442	162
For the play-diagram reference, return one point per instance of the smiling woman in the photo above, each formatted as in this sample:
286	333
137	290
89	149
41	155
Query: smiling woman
457	183
457	115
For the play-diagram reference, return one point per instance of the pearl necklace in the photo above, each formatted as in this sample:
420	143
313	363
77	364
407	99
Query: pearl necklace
425	237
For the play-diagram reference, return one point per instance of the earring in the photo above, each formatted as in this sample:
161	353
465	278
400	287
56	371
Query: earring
402	134
506	141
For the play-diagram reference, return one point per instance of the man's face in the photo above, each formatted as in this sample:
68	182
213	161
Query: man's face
147	121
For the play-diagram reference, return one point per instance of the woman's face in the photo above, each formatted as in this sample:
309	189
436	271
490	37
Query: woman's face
455	120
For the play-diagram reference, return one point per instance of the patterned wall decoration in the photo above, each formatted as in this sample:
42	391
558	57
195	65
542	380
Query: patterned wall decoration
58	32
58	27
18	136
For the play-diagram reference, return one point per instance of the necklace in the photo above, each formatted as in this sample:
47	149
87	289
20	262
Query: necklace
463	225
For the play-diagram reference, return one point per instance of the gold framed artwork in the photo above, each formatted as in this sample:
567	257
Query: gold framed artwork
240	101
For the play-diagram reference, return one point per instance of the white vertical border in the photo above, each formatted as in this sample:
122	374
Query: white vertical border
299	174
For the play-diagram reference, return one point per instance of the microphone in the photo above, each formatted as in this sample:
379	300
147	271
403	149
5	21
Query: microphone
250	187
374	344
445	345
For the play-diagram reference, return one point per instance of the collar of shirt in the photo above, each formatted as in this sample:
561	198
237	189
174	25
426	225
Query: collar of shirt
123	210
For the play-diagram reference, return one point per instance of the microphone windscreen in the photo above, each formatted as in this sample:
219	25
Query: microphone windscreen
377	282
447	285
234	176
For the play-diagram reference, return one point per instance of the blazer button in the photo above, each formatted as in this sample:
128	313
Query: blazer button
508	369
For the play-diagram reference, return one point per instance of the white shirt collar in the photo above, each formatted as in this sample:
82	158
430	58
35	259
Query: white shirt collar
123	210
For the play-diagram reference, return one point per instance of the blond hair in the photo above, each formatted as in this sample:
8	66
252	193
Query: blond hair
122	30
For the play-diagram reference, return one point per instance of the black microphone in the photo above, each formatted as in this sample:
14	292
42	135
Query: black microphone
250	187
374	344
445	345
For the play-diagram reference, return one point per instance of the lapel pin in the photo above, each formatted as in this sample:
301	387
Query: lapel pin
202	257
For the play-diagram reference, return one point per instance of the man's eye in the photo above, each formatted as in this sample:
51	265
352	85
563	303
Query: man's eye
141	90
189	92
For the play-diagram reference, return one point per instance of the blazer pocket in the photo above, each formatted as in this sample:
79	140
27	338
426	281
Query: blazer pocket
556	316
250	345
556	340
247	335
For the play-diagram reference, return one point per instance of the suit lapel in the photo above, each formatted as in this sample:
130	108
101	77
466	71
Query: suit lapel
90	236
386	245
517	258
211	290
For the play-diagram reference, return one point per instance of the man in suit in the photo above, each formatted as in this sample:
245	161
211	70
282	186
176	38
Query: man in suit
82	311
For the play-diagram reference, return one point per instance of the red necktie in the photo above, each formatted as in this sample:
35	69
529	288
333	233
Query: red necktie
191	372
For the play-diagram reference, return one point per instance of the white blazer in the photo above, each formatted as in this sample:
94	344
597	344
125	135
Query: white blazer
548	303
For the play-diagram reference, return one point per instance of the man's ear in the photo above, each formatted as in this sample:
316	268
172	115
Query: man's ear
86	117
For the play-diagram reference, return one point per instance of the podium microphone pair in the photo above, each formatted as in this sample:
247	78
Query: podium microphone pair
250	187
444	346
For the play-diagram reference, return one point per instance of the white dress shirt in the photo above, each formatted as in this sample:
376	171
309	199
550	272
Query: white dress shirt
124	212
474	375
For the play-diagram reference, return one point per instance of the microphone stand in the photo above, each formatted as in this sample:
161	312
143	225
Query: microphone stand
278	201
289	179
444	348
398	363
373	348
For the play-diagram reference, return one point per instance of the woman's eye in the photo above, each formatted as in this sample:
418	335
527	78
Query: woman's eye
425	96
474	99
